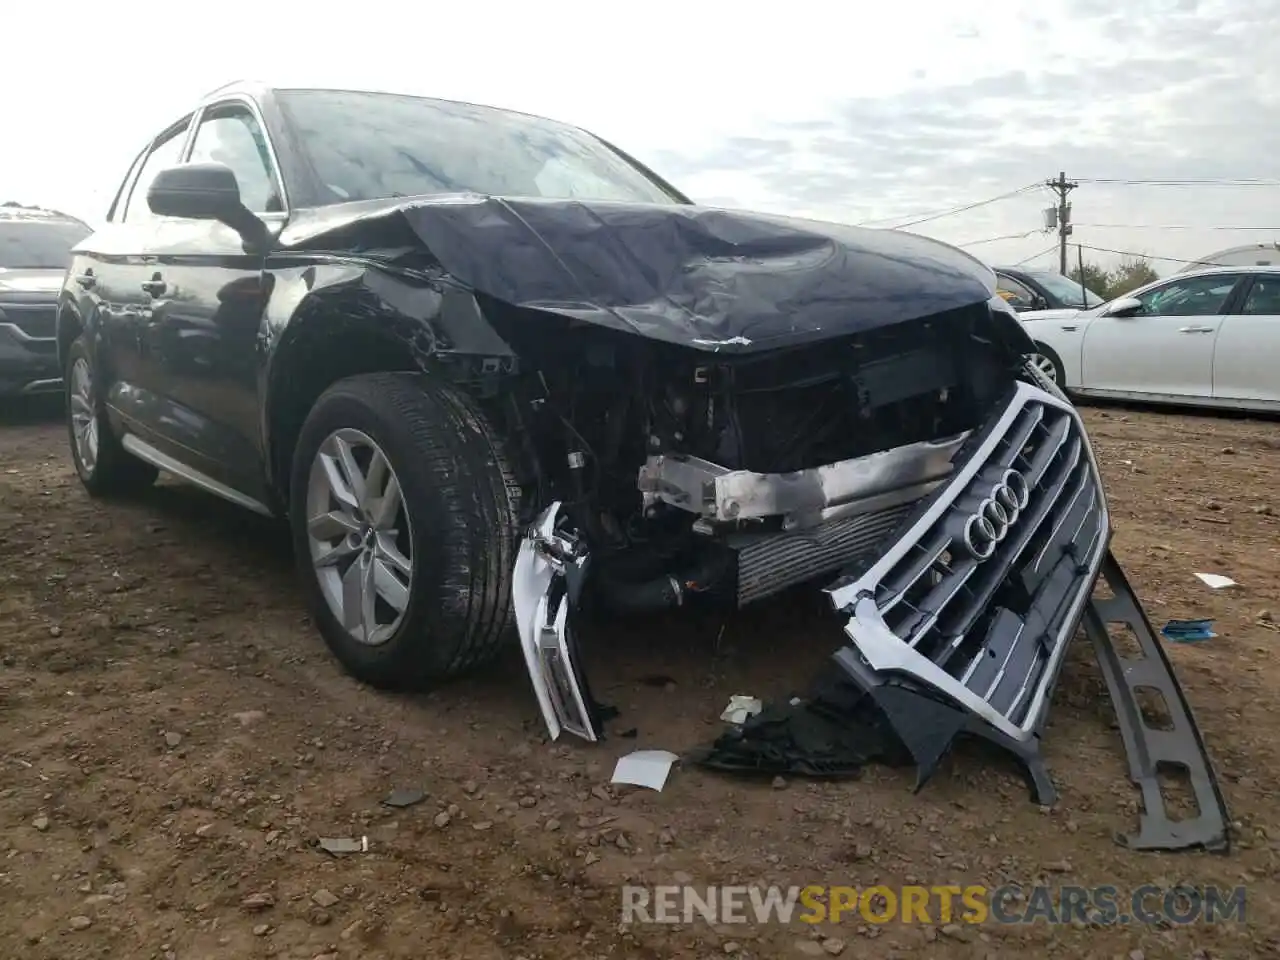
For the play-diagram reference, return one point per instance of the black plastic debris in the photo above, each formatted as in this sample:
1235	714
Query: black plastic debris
404	797
831	734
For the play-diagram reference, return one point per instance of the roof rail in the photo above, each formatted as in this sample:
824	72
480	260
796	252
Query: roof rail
243	81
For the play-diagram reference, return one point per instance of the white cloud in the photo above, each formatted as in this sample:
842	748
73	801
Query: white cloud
850	112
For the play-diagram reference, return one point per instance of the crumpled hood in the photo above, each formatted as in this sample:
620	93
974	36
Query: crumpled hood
708	278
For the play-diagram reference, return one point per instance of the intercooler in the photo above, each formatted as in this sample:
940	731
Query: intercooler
770	562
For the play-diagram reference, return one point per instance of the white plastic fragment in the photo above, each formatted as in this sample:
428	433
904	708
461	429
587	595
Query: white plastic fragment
740	707
644	768
1216	581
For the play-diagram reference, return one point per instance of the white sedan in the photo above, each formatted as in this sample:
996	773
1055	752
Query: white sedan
1209	337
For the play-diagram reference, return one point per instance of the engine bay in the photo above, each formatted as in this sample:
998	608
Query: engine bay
675	464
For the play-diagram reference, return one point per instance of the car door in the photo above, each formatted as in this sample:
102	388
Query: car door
110	267
207	303
1246	357
1166	346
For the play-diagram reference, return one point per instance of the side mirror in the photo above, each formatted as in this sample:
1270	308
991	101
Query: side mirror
195	191
204	191
1124	307
1039	303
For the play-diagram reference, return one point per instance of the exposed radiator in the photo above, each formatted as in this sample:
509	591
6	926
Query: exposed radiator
769	563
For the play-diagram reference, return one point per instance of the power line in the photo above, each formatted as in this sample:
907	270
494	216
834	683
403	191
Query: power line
1169	226
1207	182
952	211
1037	256
1008	236
1141	256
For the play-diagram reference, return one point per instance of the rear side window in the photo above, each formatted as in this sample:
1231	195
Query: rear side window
164	154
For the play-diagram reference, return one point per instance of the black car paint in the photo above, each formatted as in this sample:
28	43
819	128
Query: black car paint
197	361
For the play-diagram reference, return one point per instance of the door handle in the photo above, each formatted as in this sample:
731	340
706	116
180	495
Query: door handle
1196	329
86	280
154	287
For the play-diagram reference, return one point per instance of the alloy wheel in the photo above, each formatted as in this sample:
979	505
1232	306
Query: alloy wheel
84	419
1045	366
360	536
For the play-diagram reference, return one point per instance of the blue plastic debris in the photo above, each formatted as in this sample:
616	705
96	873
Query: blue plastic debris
1188	631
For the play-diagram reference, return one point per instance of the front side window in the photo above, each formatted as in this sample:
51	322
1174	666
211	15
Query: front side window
232	135
366	146
164	154
1193	297
1014	293
1264	298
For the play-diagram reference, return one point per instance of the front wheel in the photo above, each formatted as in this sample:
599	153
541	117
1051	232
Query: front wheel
102	463
1047	362
403	512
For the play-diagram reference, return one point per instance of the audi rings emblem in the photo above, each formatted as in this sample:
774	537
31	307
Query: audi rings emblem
996	515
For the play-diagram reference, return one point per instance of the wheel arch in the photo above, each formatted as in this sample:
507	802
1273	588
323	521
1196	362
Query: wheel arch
346	318
324	343
68	326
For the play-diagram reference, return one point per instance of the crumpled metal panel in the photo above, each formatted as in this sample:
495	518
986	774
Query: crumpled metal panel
715	280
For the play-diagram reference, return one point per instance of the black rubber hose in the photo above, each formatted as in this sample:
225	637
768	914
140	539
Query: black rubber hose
664	591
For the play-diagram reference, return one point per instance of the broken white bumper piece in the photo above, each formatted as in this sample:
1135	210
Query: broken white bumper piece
548	575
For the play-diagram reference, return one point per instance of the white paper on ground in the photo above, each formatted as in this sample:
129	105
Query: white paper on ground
740	707
644	768
1216	580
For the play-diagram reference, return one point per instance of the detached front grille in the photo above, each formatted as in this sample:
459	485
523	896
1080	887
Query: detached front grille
38	321
988	582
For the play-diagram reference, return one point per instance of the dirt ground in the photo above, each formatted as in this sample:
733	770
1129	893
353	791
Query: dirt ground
174	738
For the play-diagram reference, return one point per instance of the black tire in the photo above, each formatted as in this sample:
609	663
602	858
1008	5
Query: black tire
462	505
1059	375
116	472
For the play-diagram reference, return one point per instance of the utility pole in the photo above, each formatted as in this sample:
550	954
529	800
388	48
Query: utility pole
1062	186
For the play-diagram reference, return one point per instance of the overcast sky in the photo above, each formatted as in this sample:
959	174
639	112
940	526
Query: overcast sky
853	112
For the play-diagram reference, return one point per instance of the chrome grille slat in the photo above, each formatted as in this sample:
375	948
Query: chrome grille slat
1049	496
995	624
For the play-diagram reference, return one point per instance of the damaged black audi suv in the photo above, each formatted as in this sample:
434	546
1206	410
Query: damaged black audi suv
495	372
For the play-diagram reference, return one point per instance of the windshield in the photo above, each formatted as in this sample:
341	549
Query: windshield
38	244
1067	290
366	146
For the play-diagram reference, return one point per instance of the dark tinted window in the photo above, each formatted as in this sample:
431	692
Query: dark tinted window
365	146
1263	298
37	244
